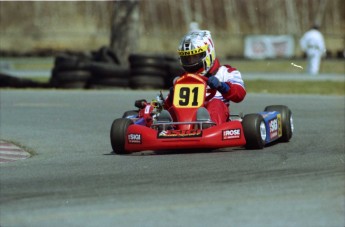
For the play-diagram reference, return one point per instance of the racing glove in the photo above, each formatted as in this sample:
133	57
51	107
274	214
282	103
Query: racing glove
214	83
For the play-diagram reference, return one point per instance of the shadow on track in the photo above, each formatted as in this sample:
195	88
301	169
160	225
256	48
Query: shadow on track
179	152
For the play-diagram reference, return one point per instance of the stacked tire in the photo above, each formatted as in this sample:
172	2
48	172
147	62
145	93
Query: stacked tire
174	70
147	71
10	81
153	71
70	71
107	71
107	75
99	69
102	69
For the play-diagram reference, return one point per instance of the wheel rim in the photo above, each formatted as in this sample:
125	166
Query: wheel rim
263	131
291	123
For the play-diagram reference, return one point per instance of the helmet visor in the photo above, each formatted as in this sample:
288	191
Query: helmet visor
193	59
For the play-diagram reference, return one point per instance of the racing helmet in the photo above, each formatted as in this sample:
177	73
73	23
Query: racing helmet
196	51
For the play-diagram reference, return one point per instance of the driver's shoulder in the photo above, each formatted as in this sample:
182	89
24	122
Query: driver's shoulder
226	71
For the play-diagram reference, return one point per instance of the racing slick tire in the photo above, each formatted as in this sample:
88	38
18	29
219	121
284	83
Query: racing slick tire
118	134
287	120
254	128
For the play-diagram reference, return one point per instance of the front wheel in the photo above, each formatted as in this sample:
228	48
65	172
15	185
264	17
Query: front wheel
254	128
287	120
118	134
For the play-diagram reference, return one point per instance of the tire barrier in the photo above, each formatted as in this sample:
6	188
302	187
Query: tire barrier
8	81
175	70
105	54
105	75
153	71
101	69
74	78
147	71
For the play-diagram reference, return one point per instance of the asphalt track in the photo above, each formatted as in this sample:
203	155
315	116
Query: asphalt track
74	180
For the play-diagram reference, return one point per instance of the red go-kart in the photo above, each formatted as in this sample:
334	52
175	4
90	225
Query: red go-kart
187	124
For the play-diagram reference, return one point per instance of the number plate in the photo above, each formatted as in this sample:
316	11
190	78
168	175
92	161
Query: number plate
189	95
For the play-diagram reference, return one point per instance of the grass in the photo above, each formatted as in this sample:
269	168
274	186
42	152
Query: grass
29	63
245	66
284	87
284	65
40	79
296	87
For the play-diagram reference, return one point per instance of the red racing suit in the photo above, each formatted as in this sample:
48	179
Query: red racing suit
218	106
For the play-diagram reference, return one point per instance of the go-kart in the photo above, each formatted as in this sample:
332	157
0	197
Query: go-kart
187	124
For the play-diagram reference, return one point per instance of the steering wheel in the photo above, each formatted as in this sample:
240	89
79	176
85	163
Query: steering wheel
209	90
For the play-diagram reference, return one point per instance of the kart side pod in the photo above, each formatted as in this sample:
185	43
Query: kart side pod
229	134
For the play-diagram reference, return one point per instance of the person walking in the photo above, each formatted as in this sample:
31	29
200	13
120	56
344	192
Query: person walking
313	44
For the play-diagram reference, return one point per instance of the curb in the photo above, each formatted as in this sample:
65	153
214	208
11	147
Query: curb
10	152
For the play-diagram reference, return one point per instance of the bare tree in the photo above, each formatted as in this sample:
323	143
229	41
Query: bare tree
320	13
124	29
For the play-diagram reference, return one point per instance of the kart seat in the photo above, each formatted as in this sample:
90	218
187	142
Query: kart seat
202	114
164	116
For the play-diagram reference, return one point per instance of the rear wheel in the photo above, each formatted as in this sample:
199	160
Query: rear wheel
287	120
118	134
254	129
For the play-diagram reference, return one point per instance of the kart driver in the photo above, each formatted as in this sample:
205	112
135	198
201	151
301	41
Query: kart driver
198	56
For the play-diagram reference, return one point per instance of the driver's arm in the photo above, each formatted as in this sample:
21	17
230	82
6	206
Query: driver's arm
237	91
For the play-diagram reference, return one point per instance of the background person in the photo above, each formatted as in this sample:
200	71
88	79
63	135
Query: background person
313	44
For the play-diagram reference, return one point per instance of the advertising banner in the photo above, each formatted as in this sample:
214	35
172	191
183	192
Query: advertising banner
269	46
